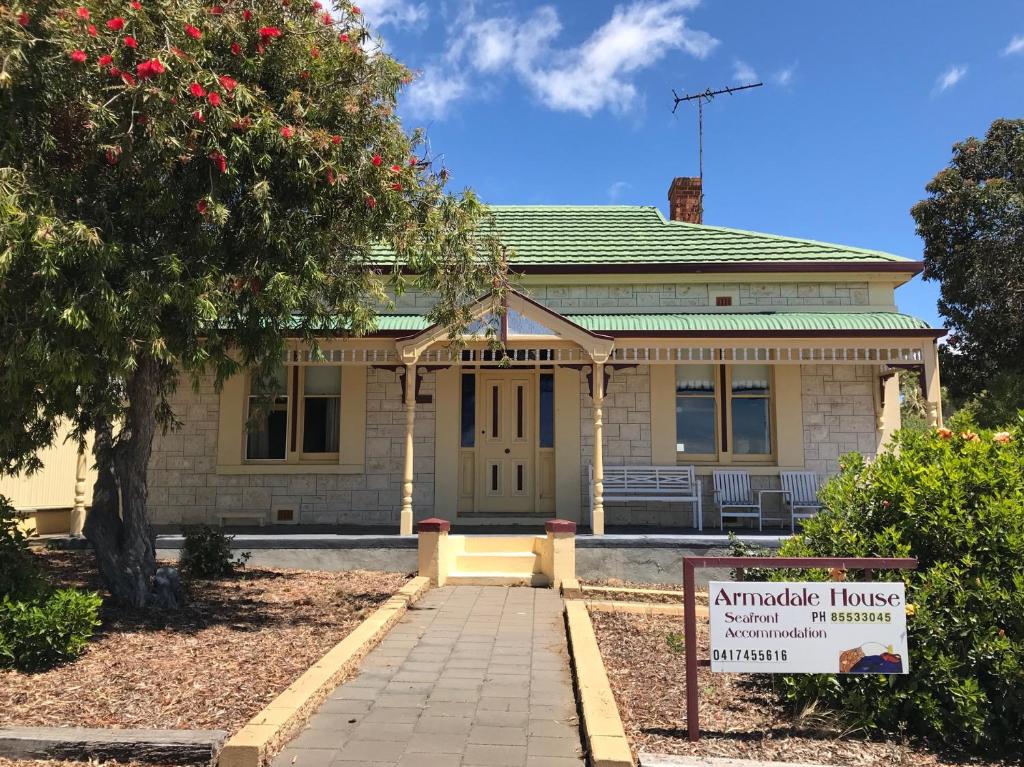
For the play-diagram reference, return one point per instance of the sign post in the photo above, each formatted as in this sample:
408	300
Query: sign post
835	627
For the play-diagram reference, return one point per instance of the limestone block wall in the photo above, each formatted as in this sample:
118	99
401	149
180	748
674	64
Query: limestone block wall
669	297
185	488
838	414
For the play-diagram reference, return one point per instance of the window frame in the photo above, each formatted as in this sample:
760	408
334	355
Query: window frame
247	416
723	397
300	434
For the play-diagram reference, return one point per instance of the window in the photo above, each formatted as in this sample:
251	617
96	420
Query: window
321	409
723	412
547	410
468	408
268	430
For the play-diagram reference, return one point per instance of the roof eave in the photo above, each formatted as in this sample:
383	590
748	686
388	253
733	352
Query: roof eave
911	268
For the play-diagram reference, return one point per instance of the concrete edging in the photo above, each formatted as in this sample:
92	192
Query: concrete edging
275	723
640	608
604	735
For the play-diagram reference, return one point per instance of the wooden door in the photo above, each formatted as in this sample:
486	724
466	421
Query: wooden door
506	441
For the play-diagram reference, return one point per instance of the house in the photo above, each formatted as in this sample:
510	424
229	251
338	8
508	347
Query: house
631	339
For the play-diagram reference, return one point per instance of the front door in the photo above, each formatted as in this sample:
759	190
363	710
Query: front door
506	441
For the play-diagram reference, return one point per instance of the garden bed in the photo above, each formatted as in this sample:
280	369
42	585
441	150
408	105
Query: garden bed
212	665
741	717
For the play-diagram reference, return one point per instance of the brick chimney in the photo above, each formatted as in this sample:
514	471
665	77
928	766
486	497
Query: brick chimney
684	203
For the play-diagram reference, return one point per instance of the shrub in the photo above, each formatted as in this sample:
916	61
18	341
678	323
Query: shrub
20	575
40	633
207	553
954	499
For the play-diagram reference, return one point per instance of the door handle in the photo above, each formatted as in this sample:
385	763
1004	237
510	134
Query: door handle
507	451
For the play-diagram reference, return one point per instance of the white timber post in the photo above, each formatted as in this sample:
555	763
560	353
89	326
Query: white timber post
78	510
933	389
597	515
405	519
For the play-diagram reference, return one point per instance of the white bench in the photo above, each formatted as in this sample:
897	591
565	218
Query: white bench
651	483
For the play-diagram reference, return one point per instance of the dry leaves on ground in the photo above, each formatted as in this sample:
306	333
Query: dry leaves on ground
740	715
212	665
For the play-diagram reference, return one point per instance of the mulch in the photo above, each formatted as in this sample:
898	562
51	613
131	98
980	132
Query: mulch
211	665
741	715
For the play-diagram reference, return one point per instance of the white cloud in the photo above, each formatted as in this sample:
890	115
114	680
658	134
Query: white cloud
743	73
950	77
434	91
784	77
1016	45
617	189
394	12
594	75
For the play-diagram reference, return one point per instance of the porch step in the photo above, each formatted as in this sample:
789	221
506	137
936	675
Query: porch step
497	579
507	562
486	544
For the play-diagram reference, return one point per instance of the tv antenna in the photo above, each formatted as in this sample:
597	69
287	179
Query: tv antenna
700	98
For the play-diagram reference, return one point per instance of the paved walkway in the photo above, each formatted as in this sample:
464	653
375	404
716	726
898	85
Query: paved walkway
474	676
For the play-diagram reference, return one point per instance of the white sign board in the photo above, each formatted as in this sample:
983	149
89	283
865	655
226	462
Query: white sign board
808	628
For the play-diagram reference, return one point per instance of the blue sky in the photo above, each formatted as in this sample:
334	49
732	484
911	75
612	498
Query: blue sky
569	101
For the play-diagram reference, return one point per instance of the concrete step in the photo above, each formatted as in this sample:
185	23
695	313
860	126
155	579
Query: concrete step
497	579
513	562
486	544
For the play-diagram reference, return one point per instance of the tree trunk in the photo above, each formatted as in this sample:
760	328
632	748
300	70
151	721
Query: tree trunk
118	525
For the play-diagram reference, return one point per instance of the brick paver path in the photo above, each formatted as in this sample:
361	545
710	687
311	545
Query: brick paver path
474	676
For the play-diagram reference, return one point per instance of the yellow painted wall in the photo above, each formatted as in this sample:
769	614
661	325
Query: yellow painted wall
54	486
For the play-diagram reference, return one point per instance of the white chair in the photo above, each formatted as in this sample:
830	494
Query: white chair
734	498
800	493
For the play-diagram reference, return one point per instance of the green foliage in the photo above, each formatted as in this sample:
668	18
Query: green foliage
37	634
207	553
738	548
972	224
676	642
954	499
19	572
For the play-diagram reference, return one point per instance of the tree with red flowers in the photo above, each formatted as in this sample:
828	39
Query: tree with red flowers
181	186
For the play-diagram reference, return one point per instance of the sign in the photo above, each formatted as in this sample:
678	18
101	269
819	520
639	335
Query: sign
808	628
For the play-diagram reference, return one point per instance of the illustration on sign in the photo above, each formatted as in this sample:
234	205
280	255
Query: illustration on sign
809	628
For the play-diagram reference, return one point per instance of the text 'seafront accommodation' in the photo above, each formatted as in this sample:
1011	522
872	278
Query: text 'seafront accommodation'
631	339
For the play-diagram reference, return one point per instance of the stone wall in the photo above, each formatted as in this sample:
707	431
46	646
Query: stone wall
185	488
838	414
672	298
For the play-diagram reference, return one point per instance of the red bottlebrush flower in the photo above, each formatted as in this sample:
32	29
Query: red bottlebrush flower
377	160
304	74
128	79
357	10
198	116
327	20
202	206
78	57
115	24
236	49
23	19
342	38
371	201
259	48
335	140
268	33
413	162
130	41
314	52
82	12
150	68
317	5
115	72
396	168
196	90
287	131
113	155
105	60
396	186
91	29
220	161
214	98
330	177
178	52
194	32
216	10
136	5
227	83
247	14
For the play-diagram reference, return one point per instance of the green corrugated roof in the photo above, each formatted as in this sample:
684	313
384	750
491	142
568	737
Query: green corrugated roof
552	235
709	322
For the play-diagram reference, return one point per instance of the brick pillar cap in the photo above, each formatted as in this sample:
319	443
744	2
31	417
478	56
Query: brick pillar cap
433	525
560	526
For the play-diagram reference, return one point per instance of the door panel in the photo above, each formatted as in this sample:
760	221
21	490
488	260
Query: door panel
506	443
